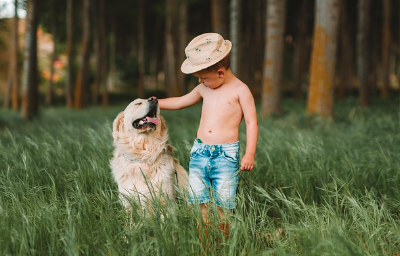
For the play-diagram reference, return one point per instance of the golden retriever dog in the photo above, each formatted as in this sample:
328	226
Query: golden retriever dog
143	164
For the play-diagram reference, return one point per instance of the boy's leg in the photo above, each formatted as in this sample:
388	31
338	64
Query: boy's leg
225	181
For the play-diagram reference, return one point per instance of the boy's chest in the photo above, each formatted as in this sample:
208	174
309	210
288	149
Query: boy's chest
221	100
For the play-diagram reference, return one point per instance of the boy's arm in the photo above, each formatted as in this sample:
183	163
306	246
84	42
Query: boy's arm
181	102
250	115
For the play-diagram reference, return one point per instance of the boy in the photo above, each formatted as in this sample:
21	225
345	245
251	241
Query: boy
226	100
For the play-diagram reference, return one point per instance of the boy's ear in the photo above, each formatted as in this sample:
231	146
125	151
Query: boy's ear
221	73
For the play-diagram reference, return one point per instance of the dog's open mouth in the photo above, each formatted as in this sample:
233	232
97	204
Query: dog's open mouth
149	120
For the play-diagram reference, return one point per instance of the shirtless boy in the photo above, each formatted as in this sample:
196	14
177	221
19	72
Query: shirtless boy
226	100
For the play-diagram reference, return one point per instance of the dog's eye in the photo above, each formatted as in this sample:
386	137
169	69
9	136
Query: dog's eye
139	103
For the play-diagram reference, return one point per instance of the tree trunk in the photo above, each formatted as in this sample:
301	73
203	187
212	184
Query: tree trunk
219	17
300	54
113	49
141	43
97	54
30	93
234	33
323	62
275	26
69	78
385	48
346	53
363	50
49	91
81	83
103	55
170	55
398	47
183	20
13	88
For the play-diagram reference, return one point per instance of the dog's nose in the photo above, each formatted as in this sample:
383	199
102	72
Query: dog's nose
152	98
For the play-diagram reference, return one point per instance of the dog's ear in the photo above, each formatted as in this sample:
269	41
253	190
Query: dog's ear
118	125
163	126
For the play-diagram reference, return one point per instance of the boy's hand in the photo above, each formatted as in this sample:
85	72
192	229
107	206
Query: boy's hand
247	162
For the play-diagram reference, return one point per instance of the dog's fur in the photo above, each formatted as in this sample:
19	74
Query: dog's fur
143	165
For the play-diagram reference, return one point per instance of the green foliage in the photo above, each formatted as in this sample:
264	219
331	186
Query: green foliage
319	188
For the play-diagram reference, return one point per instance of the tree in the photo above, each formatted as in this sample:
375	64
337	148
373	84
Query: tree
219	17
49	92
183	20
81	86
363	50
30	93
101	74
234	33
300	49
12	88
103	54
323	60
170	51
385	71
275	25
69	28
141	44
346	51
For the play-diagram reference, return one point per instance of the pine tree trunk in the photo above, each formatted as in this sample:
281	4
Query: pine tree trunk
385	48
30	93
170	55
346	56
12	84
141	43
234	33
103	55
113	49
49	91
398	47
69	78
323	62
97	53
275	26
15	87
81	83
219	14
300	54
183	20
7	96
363	50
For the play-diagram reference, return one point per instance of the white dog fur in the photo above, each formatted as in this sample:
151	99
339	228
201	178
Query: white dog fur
143	164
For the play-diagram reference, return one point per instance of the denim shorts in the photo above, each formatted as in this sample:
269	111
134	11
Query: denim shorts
213	173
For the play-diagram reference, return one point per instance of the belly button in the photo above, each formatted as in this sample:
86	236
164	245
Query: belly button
209	131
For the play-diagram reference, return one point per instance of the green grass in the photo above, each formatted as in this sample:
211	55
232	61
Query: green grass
332	187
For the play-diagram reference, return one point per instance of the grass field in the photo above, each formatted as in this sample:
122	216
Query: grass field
318	188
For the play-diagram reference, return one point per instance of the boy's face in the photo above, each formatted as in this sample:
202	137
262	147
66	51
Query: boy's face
212	80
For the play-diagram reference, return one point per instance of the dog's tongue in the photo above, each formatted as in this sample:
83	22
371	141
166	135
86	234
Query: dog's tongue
153	120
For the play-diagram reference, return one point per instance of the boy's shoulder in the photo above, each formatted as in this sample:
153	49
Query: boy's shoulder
239	86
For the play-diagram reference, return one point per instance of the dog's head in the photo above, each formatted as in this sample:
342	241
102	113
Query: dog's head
140	117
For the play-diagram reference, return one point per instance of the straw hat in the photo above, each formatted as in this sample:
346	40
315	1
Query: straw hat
204	51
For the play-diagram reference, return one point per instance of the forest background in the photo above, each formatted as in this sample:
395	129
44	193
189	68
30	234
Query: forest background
87	52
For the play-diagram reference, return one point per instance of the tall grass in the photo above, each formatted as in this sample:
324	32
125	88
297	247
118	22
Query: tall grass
318	188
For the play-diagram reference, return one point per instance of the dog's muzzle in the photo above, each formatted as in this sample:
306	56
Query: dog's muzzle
150	120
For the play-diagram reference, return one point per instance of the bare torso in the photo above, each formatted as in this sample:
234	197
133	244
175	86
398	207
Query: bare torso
221	113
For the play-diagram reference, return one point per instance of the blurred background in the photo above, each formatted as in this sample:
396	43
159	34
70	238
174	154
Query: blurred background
85	52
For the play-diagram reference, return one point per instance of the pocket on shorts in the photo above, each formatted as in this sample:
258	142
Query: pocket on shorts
231	155
194	151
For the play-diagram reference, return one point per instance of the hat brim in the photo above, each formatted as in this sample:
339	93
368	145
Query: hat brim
188	68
